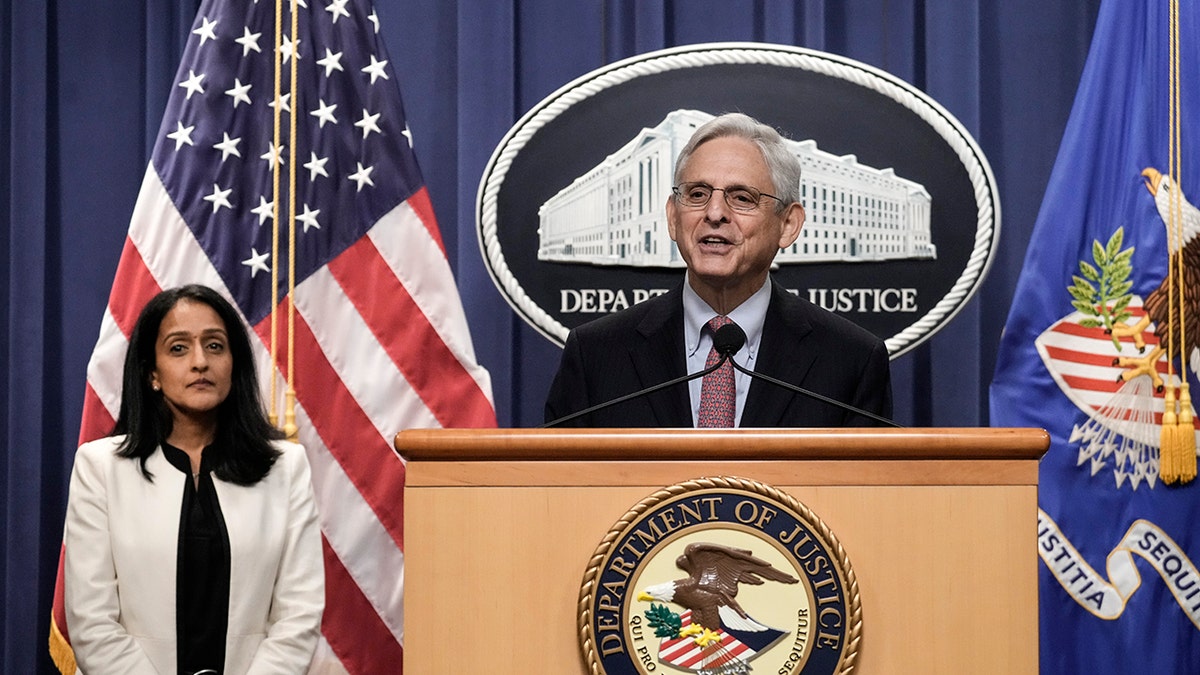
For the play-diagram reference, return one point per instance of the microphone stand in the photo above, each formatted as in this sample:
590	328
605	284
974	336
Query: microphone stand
727	341
725	356
815	395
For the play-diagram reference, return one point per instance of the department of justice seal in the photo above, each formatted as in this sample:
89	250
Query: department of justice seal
719	576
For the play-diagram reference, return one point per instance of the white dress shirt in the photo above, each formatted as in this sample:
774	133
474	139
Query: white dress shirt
698	342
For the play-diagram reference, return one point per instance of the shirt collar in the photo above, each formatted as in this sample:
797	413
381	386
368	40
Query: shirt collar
180	460
749	316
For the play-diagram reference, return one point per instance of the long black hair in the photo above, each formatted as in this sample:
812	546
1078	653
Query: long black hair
241	452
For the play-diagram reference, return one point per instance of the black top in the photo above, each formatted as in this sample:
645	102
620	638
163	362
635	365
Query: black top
202	571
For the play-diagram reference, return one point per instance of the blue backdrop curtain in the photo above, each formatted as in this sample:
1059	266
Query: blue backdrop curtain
83	86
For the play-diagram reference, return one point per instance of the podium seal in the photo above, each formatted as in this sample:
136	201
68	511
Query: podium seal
719	576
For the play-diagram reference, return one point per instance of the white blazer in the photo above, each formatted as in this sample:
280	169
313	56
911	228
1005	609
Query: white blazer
122	538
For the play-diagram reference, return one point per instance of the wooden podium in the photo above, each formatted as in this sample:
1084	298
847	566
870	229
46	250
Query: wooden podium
939	526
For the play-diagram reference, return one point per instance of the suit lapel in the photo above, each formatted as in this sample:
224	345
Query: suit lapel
658	356
782	355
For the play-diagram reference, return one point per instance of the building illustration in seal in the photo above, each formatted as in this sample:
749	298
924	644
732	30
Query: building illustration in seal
613	214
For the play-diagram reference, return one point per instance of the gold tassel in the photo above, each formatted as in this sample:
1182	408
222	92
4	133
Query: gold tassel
1185	437
1168	468
289	414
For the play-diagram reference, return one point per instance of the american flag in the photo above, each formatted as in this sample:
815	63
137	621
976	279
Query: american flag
380	341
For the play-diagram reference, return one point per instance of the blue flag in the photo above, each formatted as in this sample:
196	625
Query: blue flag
1119	590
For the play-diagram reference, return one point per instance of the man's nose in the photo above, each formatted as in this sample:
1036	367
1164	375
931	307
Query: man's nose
717	209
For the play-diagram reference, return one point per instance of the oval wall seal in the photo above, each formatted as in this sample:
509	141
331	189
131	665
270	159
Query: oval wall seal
719	576
903	213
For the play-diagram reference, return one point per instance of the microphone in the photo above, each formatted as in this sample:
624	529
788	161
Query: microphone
729	339
726	341
733	340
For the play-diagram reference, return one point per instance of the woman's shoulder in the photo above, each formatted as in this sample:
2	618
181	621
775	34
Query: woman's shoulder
99	458
100	450
291	455
287	448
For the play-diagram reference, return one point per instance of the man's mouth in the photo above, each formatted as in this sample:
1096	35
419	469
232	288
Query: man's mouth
713	240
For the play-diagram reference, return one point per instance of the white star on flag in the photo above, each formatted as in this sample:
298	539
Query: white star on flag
240	92
309	218
288	49
273	155
331	62
206	31
315	166
367	123
249	41
182	135
376	69
228	146
285	101
219	198
337	8
264	210
363	176
192	83
257	262
324	113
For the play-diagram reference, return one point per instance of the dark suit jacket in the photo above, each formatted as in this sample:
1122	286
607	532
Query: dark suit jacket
642	346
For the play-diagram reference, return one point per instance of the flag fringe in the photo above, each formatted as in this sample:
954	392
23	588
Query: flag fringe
60	650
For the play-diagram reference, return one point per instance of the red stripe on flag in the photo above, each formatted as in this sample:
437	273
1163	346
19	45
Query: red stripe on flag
1086	358
1068	328
1092	384
1073	356
58	611
96	422
351	626
423	207
132	288
366	457
435	373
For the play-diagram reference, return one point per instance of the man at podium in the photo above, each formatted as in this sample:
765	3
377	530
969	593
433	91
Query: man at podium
734	204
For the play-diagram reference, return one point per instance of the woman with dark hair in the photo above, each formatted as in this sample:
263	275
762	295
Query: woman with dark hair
192	543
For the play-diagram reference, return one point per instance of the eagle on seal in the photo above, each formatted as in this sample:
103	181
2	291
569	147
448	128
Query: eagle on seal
710	590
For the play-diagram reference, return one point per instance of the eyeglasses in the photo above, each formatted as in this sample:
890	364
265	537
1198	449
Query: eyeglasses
738	197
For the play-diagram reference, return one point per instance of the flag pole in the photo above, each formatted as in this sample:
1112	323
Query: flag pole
274	347
289	412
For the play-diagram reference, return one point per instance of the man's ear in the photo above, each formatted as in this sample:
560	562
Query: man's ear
793	220
672	216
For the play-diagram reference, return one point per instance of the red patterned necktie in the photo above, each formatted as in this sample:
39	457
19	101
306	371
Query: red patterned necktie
718	395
